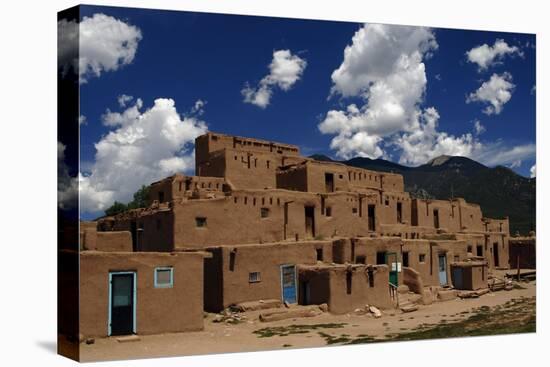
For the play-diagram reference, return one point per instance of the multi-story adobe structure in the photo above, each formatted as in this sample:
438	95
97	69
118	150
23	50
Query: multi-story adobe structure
272	224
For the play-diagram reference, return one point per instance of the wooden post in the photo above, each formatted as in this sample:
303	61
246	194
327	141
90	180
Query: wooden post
517	264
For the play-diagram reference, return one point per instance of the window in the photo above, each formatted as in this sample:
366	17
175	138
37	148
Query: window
161	196
469	248
422	258
319	252
380	257
348	282
200	221
361	259
406	259
354	210
456	258
387	202
254	277
328	211
267	164
180	185
264	212
164	277
341	176
479	250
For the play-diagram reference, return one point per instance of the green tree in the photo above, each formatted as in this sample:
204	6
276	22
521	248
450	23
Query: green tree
140	198
116	208
139	201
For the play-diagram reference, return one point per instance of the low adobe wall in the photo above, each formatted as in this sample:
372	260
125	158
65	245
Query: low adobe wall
227	272
346	288
158	310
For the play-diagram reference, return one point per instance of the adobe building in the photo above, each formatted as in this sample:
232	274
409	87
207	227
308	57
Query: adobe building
261	222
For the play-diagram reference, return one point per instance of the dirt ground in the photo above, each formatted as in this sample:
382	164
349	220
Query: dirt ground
493	313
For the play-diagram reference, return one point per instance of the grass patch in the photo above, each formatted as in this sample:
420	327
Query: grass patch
294	329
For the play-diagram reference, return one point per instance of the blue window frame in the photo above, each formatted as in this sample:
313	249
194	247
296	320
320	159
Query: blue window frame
164	277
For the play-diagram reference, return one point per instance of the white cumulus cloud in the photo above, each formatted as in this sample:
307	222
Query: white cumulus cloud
284	71
479	128
144	146
106	44
485	56
533	171
384	68
495	93
425	142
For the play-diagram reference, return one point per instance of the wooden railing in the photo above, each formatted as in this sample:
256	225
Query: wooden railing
394	294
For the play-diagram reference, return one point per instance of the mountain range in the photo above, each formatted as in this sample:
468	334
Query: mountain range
498	190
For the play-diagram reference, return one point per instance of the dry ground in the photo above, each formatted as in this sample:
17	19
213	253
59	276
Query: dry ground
494	313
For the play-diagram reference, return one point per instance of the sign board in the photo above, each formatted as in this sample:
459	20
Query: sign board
396	267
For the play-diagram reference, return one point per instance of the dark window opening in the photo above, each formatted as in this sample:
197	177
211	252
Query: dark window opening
387	202
264	212
200	221
348	282
370	273
322	205
161	196
310	221
380	257
456	258
422	258
232	257
479	250
267	164
406	259
469	249
180	185
319	253
372	218
254	201
436	218
235	199
341	176
329	182
263	201
328	211
361	259
354	210
399	212
188	185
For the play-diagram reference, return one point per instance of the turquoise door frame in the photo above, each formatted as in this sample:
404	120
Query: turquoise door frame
134	301
289	285
391	258
442	266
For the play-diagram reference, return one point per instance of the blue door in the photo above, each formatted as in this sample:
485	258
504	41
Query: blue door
288	283
442	269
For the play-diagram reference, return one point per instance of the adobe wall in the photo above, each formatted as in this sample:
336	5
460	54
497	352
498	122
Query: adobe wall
91	239
346	288
158	310
294	178
150	230
178	186
237	219
474	275
243	170
525	249
233	270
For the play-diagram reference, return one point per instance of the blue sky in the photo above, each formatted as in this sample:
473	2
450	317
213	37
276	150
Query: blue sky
189	57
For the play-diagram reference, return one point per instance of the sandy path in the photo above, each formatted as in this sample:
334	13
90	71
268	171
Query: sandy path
224	338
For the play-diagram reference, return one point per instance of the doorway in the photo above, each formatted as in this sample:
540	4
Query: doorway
288	283
442	269
371	215
310	221
436	218
329	182
495	254
391	261
122	303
